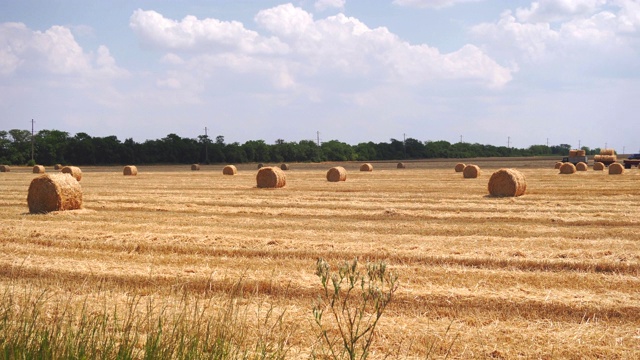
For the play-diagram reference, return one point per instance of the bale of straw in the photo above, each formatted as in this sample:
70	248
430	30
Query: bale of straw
57	167
558	164
260	166
567	168
581	152
130	170
284	167
73	171
229	170
5	168
366	167
471	171
598	166
337	173
607	159
401	166
607	152
195	167
581	166
271	177
460	167
507	182
54	192
38	169
573	153
616	169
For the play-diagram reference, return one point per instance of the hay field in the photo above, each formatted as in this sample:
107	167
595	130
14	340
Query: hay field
553	274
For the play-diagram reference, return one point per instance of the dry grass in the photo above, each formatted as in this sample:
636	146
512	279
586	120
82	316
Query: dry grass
552	274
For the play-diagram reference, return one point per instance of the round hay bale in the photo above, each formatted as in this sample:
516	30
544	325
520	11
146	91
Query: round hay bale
460	167
38	169
284	167
606	159
581	153
130	170
581	166
573	153
195	167
598	166
558	164
401	166
229	170
471	171
607	152
5	168
57	167
260	166
73	171
507	182
54	192
567	168
616	169
336	174
366	167
271	177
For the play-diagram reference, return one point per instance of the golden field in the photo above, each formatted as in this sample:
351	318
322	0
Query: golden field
553	274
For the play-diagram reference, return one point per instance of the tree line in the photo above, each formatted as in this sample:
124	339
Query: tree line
59	147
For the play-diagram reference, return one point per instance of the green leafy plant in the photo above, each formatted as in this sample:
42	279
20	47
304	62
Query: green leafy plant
350	306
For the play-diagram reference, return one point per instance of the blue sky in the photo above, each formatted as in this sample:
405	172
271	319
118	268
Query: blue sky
489	71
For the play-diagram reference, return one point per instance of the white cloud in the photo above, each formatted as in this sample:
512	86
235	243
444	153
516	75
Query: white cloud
322	5
555	10
431	3
192	34
54	52
304	52
586	40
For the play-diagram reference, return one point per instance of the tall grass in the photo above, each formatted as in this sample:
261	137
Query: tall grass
35	324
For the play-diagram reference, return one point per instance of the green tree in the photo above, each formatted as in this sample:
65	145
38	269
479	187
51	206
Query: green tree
20	151
50	146
335	150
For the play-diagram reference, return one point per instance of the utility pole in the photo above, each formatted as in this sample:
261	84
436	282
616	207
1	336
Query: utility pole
404	145
206	146
318	137
547	142
623	148
508	142
32	122
579	144
460	138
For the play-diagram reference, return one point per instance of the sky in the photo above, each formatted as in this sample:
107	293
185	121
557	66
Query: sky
506	73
